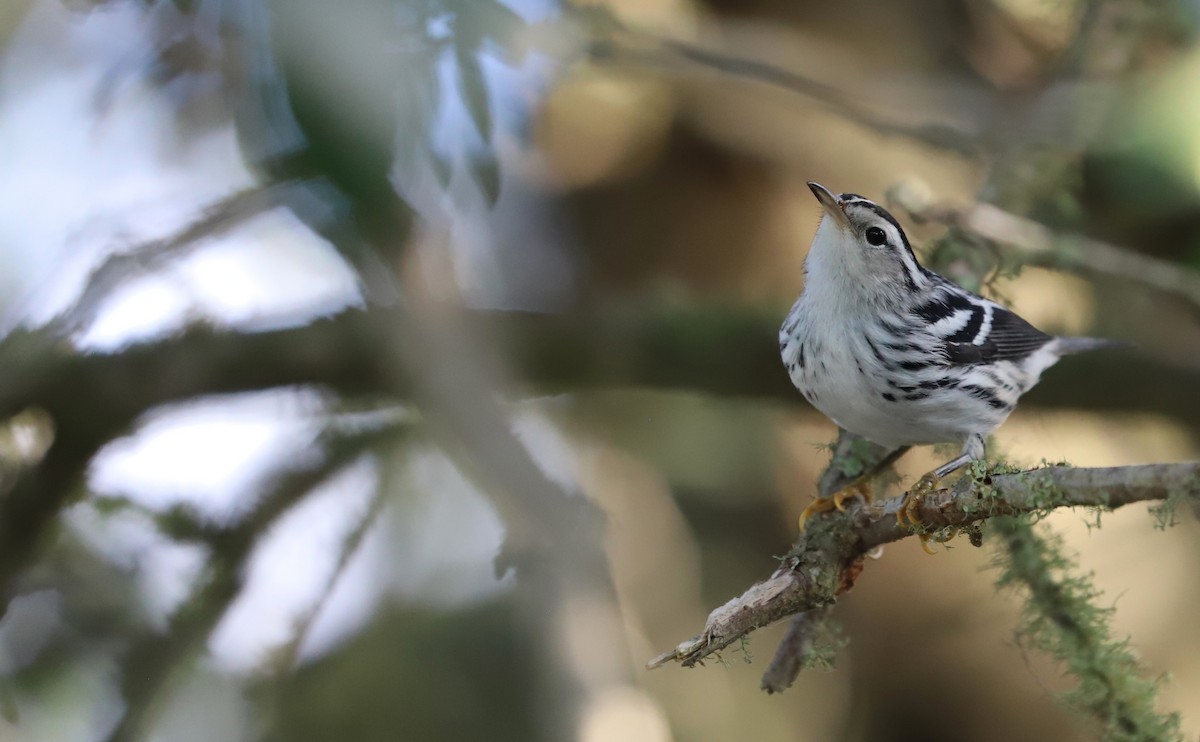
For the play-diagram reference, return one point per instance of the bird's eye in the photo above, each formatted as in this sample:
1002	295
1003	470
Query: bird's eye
875	236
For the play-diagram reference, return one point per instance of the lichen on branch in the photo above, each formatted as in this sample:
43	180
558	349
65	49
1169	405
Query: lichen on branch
1062	618
829	556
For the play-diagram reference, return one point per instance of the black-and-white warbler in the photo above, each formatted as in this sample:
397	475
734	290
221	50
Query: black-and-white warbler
899	355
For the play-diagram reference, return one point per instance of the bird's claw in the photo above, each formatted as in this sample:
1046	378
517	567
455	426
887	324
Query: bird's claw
818	505
910	507
854	489
836	501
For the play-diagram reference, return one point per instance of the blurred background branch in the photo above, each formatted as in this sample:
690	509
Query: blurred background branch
1038	245
124	266
646	50
151	661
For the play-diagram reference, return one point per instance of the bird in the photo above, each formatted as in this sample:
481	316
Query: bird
897	354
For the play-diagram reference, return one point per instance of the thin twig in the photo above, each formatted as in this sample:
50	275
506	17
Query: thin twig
157	658
826	561
118	268
653	51
285	657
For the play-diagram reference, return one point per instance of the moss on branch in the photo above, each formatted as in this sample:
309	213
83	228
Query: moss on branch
1062	618
828	557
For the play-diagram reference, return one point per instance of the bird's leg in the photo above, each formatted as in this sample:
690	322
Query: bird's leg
910	506
859	487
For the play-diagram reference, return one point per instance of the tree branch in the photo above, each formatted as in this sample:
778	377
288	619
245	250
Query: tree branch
796	649
828	558
711	350
92	398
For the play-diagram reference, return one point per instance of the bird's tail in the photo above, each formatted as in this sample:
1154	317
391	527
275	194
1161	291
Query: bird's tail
1067	345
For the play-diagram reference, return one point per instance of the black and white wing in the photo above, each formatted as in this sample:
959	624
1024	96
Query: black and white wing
1009	338
972	330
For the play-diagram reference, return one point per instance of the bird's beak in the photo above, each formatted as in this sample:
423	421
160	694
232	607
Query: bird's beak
831	203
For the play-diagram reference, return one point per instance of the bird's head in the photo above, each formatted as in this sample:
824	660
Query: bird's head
859	244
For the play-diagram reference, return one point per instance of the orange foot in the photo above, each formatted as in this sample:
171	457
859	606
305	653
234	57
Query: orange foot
836	501
910	507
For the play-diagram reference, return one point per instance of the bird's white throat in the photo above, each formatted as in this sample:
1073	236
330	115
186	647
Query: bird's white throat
837	273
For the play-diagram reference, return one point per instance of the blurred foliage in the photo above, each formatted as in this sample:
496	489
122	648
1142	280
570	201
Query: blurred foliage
659	159
396	676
